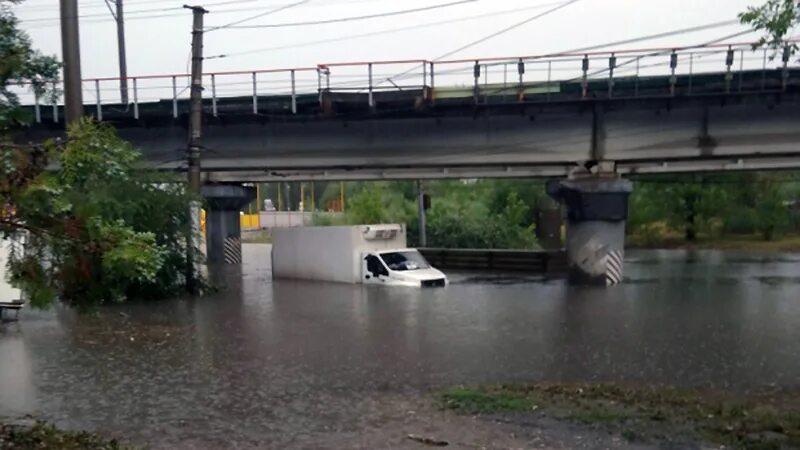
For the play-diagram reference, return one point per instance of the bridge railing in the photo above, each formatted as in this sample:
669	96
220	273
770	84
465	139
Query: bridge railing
621	73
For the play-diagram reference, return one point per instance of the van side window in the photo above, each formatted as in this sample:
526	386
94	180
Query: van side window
375	267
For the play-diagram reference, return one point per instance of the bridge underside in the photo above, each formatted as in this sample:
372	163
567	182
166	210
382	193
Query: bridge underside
404	138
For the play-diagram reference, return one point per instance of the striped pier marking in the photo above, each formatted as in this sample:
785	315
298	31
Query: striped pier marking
614	268
233	250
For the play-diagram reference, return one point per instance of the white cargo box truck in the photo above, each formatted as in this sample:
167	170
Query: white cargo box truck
369	254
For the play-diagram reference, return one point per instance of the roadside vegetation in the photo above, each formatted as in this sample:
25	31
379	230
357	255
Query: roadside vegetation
43	436
747	211
734	210
765	421
256	237
97	227
463	214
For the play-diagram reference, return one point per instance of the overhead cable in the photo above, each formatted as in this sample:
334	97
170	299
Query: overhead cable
490	36
142	11
650	37
507	29
659	53
257	16
382	32
351	19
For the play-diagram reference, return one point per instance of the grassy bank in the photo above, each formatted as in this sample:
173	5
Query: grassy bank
256	237
29	435
768	421
787	243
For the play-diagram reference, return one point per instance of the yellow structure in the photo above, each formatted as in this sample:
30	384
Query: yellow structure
250	221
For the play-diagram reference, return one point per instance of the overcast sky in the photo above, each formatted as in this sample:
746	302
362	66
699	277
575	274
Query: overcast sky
159	45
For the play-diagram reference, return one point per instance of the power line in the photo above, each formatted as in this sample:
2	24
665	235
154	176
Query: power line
351	19
650	37
92	21
151	10
705	44
100	5
490	36
507	29
247	19
89	16
381	32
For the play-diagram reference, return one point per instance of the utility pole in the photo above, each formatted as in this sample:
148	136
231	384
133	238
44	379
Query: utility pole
195	134
71	54
423	238
119	17
196	99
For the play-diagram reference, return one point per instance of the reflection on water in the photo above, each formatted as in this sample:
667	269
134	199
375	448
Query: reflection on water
279	359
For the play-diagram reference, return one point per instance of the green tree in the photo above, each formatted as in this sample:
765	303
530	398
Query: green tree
761	204
20	65
366	207
690	204
98	229
483	214
101	230
775	18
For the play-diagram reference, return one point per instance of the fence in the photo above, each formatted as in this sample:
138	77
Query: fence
735	68
520	261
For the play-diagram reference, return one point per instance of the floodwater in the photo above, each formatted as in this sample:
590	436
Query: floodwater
268	362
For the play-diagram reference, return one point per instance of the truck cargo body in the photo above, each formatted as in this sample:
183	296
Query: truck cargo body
351	254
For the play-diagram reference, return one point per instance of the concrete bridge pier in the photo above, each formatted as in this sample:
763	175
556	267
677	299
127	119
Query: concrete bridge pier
597	209
223	224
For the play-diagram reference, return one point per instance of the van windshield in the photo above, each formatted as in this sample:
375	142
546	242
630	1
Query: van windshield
402	261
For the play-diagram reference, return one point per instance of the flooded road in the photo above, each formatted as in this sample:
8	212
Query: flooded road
271	364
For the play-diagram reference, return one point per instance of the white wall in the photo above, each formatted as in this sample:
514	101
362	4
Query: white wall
7	292
282	219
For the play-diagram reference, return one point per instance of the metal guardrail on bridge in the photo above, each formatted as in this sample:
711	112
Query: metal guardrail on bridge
623	73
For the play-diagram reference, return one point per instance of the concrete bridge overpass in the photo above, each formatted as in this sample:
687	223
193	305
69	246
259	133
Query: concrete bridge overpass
647	111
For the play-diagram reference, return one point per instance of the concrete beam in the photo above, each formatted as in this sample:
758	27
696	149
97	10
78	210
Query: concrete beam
597	209
223	227
517	171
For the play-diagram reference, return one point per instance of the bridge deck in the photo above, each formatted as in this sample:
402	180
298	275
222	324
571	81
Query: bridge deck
422	100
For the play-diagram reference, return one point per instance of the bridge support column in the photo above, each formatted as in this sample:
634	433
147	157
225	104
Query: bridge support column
597	208
223	223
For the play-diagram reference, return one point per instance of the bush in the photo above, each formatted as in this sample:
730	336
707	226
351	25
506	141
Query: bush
463	215
101	230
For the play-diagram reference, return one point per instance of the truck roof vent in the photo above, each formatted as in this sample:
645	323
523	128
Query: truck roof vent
381	232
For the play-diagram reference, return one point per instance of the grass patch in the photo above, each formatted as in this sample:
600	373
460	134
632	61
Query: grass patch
256	237
759	422
43	436
787	243
472	401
